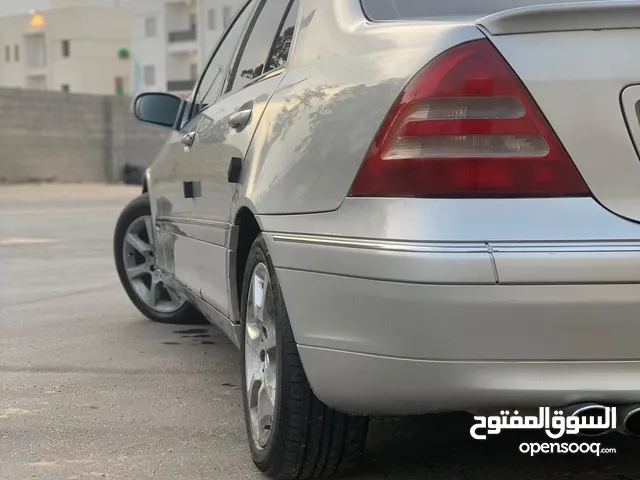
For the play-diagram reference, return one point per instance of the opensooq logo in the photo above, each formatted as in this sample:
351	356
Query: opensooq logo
555	426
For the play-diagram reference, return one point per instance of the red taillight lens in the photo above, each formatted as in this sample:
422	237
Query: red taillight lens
466	126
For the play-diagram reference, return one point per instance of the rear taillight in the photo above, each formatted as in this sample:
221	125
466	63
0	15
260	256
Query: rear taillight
466	126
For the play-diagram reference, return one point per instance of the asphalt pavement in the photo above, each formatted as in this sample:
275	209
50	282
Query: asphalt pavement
91	389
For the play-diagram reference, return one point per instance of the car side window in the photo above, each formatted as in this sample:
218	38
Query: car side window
282	46
211	82
254	53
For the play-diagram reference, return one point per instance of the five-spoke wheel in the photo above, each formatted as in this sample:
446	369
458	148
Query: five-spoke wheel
137	263
261	356
140	260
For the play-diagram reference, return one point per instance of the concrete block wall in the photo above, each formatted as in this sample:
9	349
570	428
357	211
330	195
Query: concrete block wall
60	137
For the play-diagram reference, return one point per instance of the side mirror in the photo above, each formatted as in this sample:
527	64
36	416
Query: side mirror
158	108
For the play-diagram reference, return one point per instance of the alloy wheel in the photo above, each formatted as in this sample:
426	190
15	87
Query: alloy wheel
140	262
261	355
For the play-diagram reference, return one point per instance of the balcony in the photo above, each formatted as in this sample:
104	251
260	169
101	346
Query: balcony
180	85
183	35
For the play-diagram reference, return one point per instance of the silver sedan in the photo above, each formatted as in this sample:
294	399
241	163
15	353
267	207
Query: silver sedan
400	207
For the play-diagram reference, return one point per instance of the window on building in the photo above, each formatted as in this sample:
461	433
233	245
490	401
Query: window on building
150	27
193	22
149	75
66	88
211	19
7	54
35	52
226	16
16	53
66	48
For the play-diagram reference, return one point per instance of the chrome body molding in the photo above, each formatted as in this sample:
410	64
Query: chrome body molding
192	221
216	233
441	263
566	247
381	245
461	247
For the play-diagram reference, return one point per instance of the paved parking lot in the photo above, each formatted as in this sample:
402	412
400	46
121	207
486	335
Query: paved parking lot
90	389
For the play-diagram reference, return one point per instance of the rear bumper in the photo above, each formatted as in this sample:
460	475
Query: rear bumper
373	384
394	328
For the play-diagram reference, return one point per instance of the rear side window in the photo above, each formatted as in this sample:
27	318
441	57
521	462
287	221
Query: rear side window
408	9
254	57
282	46
212	80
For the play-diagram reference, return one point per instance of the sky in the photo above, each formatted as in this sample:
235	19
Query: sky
17	7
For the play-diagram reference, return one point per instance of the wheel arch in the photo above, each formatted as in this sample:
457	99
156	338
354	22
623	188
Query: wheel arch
246	229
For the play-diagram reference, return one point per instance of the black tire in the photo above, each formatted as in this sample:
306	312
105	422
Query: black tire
308	439
140	207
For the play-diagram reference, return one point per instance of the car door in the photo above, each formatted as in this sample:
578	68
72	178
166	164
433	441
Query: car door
171	210
173	176
223	133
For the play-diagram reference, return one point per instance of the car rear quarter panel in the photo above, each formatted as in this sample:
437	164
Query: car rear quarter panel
343	76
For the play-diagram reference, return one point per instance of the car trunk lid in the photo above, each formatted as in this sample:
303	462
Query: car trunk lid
580	64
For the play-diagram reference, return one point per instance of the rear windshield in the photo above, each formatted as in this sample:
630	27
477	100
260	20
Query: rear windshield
408	9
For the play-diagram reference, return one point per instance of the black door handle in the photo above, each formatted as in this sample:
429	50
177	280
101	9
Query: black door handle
235	167
192	189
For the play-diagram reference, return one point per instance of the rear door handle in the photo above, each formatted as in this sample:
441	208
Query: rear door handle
241	118
188	140
192	189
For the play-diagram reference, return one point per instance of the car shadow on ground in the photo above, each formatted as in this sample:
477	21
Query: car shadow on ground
440	447
201	334
194	320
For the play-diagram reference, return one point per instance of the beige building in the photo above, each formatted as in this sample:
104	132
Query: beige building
173	40
71	46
